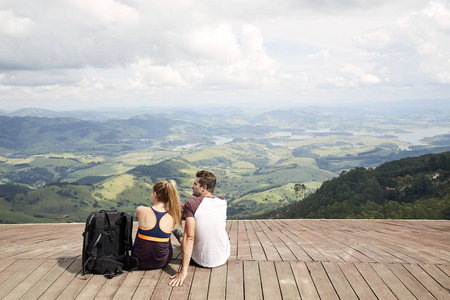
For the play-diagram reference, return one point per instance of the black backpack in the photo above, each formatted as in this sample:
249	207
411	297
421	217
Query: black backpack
107	243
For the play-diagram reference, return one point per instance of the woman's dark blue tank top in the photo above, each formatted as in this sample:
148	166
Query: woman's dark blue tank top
155	234
152	246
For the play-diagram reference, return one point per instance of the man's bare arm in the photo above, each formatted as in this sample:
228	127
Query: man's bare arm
187	245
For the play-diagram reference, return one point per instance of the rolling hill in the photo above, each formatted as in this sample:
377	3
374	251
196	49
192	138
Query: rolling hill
59	169
409	188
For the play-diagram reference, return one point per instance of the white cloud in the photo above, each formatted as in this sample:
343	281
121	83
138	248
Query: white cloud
352	77
128	49
109	12
149	76
214	58
13	25
218	44
321	55
415	47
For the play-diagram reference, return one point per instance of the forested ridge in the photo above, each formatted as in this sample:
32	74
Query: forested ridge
409	188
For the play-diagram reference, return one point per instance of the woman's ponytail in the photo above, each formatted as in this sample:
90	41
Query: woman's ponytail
174	202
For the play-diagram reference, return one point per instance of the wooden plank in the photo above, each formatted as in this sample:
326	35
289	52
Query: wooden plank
110	287
283	250
438	275
312	252
129	285
256	225
16	278
428	282
445	269
176	246
228	225
357	282
399	248
256	248
233	236
180	292
241	226
252	281
10	271
48	279
200	284
62	281
323	285
304	281
275	225
339	281
162	288
298	252
92	287
329	252
375	282
286	280
235	280
393	250
243	247
269	249
263	225
414	286
376	254
347	244
340	243
27	283
389	278
270	287
217	285
5	263
147	284
75	286
296	225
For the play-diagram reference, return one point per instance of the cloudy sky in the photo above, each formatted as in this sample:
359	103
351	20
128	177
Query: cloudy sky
77	54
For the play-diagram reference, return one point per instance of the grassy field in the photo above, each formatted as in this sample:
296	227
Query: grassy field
256	172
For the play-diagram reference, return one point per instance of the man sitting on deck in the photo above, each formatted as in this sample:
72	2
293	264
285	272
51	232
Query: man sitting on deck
205	239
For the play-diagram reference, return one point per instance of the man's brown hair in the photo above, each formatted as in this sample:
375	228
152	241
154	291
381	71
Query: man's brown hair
207	178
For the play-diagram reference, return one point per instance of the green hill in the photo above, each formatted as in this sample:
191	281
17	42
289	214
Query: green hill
247	188
62	168
410	188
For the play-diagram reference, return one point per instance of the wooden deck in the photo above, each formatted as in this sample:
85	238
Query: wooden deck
271	259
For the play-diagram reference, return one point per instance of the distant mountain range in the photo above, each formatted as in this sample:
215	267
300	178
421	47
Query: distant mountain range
386	108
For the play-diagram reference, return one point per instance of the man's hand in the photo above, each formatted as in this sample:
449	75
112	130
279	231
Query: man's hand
187	244
177	279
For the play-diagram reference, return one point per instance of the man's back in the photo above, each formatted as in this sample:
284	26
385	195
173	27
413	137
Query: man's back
211	244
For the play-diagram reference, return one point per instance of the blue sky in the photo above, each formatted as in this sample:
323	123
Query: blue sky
79	54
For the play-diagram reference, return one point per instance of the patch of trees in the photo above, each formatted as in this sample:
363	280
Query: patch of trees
408	188
214	161
32	176
91	180
163	170
271	169
10	189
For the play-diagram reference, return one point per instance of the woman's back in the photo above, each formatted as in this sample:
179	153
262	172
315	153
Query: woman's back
152	244
147	219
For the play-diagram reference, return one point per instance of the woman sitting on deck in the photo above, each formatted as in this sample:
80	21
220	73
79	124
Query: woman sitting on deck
152	244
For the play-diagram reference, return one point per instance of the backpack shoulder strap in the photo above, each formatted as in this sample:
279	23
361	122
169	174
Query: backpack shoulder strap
99	228
128	231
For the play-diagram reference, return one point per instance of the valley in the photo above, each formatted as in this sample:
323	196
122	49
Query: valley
70	166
